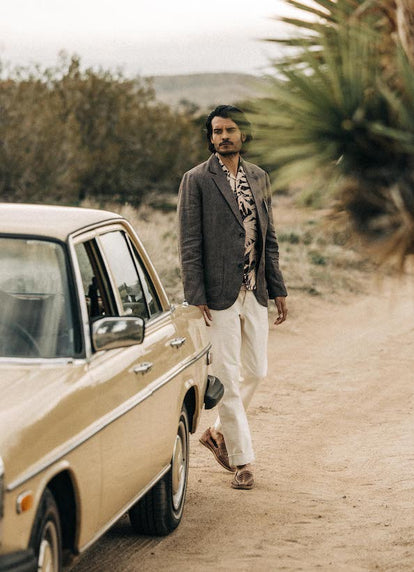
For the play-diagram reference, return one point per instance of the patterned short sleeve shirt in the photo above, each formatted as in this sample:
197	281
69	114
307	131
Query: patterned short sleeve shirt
247	207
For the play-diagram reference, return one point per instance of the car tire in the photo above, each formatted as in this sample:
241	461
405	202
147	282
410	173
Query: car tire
46	538
160	511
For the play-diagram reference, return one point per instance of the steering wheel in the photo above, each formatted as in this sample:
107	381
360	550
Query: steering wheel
15	341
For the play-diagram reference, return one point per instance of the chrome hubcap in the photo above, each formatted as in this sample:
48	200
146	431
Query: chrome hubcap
179	467
48	551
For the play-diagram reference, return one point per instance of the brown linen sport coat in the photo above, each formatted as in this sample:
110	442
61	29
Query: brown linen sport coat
211	237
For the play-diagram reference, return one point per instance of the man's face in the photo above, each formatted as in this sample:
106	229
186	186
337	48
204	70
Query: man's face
226	136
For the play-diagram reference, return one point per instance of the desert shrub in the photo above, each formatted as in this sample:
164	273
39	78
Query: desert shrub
70	134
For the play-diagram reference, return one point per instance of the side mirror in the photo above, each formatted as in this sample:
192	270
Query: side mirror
117	332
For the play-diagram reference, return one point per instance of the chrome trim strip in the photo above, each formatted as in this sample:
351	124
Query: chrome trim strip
51	362
98	426
94	228
40	361
125	508
1	492
81	299
158	318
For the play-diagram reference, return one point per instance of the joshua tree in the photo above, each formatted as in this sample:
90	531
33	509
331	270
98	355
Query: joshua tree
341	104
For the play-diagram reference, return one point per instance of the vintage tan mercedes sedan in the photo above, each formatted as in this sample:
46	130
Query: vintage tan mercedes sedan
101	381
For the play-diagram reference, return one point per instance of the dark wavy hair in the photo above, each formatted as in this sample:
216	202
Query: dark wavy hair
236	115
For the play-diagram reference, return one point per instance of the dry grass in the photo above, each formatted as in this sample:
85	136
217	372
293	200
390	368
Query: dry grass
316	252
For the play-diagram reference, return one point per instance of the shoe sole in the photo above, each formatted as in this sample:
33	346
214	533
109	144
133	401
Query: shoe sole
219	461
246	486
242	487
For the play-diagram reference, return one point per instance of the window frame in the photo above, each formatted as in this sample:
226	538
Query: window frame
114	287
141	261
85	235
100	272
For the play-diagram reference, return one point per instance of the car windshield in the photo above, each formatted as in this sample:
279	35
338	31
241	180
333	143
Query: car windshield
35	316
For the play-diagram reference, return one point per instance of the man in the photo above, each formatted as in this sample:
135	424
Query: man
230	268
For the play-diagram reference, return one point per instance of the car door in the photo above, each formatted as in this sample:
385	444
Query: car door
129	405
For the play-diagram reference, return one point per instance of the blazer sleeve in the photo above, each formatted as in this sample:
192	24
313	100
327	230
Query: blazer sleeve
190	240
274	278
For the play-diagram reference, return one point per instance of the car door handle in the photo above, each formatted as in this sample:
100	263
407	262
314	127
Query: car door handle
177	342
143	367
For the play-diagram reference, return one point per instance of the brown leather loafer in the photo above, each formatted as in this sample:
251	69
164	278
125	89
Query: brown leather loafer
243	479
218	449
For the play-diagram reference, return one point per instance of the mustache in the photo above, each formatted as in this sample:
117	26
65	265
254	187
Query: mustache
225	143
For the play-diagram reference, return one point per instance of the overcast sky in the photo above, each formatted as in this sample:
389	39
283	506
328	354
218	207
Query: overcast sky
144	37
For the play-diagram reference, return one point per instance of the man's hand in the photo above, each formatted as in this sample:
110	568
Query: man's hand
282	310
208	318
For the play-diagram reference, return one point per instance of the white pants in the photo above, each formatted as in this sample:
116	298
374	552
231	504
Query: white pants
239	338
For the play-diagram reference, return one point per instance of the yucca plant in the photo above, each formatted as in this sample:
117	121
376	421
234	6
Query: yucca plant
341	105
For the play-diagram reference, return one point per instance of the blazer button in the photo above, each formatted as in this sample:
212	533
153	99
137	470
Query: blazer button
240	265
241	234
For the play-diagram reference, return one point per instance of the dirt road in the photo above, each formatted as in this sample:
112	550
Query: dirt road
334	437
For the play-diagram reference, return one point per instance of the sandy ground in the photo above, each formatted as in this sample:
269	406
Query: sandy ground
334	439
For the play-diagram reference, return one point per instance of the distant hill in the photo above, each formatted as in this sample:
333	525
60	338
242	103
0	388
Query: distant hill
207	89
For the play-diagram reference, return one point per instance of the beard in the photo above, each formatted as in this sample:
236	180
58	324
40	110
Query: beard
227	153
228	150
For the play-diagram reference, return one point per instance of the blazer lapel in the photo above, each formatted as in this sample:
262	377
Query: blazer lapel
220	179
257	192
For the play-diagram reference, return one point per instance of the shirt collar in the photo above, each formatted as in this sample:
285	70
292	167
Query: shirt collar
240	170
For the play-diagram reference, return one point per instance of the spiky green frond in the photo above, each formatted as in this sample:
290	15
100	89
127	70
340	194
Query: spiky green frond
321	19
342	103
325	108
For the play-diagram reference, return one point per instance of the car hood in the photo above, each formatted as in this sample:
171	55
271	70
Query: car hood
36	409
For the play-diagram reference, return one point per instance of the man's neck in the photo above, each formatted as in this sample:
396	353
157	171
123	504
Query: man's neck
231	162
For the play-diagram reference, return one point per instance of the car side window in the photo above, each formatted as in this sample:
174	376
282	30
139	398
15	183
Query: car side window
153	302
124	270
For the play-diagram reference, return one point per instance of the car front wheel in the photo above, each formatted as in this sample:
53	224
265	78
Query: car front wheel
160	511
46	535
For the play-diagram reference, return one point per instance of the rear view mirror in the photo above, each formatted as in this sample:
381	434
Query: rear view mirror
117	332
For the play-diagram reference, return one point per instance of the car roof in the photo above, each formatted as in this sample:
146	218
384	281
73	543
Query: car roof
49	221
